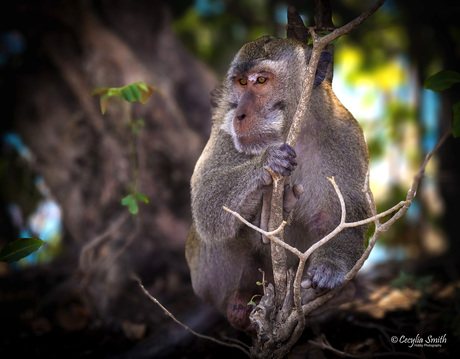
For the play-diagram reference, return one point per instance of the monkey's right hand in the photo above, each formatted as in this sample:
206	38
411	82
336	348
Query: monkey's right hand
280	158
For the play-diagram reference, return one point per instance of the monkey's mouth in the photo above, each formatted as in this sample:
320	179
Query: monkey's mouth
253	139
254	143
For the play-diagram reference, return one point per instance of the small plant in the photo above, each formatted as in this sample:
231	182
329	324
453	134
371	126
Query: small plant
141	92
251	302
137	91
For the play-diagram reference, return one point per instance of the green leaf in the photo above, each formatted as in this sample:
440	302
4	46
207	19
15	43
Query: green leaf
137	91
145	90
141	197
251	302
442	80
456	120
127	94
130	202
20	248
142	86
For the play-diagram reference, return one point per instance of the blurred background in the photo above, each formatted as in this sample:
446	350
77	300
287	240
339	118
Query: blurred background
64	167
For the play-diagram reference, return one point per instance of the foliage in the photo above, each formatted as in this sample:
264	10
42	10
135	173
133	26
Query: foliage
131	201
441	81
19	249
137	91
251	302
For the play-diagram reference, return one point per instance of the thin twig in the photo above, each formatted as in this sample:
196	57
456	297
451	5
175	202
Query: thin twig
249	224
270	235
351	25
169	314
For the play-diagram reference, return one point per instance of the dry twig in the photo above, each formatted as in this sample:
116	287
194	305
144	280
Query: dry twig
169	314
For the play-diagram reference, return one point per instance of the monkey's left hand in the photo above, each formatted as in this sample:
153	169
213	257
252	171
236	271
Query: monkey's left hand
323	277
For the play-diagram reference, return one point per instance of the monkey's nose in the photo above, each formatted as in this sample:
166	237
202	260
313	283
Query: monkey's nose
241	117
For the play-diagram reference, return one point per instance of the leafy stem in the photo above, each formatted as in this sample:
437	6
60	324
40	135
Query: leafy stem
141	92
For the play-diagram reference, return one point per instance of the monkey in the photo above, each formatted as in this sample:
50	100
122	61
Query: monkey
254	108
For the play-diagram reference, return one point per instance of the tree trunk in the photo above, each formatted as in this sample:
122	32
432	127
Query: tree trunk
85	157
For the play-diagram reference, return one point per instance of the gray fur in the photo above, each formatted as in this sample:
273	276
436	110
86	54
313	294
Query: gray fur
223	254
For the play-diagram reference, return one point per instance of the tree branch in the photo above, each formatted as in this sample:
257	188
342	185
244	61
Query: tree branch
296	319
276	212
169	314
380	227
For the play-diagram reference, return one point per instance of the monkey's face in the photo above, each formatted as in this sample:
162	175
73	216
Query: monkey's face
258	118
260	90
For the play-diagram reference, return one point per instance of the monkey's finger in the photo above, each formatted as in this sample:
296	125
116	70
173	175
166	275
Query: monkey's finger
288	158
288	149
325	283
291	166
306	283
298	190
292	162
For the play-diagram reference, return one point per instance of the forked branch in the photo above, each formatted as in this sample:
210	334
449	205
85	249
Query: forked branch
276	210
297	316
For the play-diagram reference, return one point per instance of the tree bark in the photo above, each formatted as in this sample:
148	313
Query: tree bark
84	157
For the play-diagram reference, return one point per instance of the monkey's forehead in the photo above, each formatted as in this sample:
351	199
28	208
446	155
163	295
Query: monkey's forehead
264	51
269	47
257	66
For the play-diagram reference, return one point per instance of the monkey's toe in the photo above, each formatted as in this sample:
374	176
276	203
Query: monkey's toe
325	277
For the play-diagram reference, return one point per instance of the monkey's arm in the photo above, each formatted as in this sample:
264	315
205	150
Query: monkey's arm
341	153
225	177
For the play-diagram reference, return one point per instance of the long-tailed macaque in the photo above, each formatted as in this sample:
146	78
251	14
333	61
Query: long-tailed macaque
254	109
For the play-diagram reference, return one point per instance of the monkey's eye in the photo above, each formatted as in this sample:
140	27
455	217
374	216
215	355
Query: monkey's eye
243	82
261	80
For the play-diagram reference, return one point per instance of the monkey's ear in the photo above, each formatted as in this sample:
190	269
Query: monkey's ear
325	68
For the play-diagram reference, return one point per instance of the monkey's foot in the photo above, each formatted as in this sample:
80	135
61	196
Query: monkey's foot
323	277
